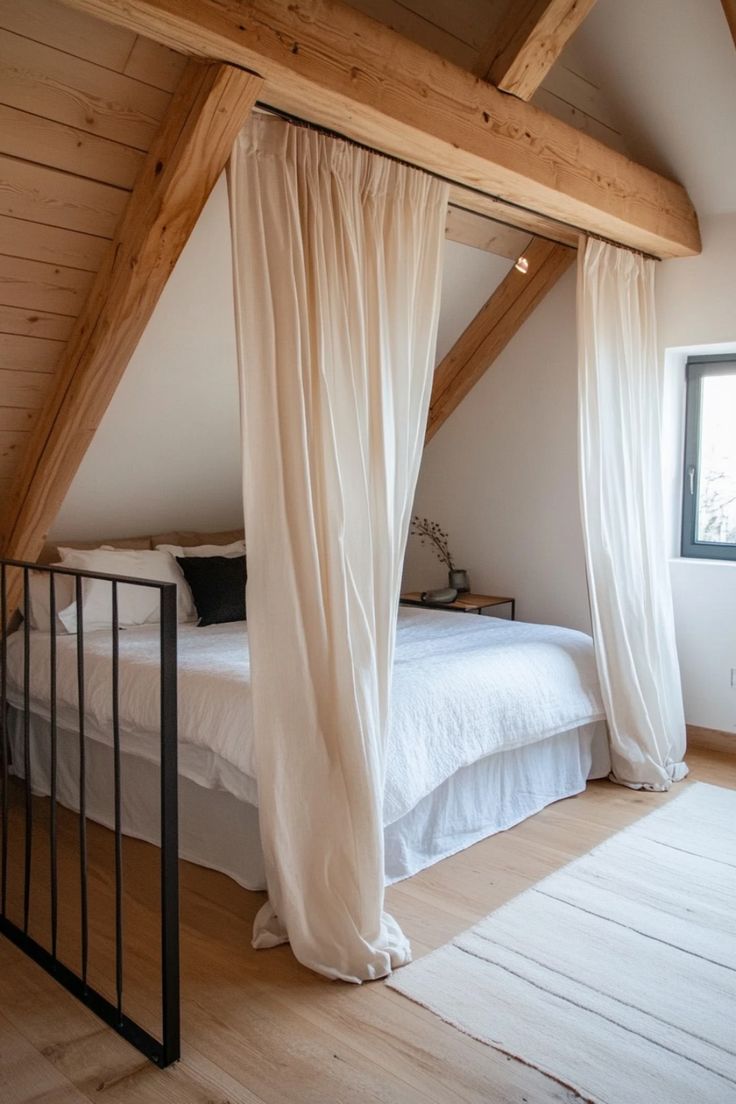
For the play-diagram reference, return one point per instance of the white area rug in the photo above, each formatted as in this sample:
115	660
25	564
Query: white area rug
616	976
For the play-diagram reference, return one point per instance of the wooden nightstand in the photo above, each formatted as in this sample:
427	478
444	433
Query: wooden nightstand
464	603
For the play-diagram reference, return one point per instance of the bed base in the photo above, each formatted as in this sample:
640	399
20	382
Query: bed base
220	831
166	1049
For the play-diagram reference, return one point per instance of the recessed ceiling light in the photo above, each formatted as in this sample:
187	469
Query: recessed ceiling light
522	265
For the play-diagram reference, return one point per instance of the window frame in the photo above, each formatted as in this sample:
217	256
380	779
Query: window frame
697	369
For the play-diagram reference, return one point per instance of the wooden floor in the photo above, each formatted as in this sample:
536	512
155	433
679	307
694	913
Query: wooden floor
259	1028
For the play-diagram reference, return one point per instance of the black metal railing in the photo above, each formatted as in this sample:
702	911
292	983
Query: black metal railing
165	1050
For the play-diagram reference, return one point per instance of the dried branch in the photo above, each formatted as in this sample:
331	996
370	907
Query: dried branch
430	531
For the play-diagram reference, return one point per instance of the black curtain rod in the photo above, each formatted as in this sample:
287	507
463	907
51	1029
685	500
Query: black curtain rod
296	120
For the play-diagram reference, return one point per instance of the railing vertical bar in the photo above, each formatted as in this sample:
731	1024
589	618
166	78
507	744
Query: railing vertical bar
169	830
166	1051
117	801
27	749
53	852
82	782
5	749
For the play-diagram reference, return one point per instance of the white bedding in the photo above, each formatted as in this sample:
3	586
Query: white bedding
464	688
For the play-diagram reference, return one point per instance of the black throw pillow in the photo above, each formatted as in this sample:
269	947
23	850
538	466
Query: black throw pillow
218	587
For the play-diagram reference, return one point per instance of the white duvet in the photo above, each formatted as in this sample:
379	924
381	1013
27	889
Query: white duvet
464	687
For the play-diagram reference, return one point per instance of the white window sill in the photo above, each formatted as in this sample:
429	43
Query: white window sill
698	560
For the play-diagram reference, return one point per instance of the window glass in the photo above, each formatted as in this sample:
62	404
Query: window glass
709	485
716	513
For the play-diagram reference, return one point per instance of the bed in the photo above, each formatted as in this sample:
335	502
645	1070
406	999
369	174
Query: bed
491	721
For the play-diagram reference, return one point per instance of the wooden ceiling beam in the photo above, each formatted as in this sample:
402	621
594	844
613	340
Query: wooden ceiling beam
325	62
208	109
729	10
527	42
468	228
493	327
465	199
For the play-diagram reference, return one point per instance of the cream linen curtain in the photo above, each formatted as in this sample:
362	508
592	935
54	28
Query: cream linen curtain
337	259
620	389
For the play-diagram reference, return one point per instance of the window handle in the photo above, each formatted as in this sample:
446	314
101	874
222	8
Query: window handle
691	477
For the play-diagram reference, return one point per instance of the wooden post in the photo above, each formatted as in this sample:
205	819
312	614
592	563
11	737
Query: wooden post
531	36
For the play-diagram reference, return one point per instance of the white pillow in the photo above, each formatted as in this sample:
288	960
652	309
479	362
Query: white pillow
39	601
230	551
136	604
185	607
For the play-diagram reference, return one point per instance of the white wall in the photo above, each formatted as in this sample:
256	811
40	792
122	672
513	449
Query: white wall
705	615
469	276
696	306
167	453
500	476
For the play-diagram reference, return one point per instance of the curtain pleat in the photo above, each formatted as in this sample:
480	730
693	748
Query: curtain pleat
337	267
620	388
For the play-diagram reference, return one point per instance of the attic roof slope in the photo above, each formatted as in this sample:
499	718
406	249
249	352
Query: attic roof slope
80	101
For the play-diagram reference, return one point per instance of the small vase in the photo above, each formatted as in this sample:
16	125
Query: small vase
459	580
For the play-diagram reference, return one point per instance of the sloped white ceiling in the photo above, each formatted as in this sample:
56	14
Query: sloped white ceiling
167	454
667	71
468	278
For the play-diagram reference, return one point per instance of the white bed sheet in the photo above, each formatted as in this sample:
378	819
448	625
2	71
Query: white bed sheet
465	687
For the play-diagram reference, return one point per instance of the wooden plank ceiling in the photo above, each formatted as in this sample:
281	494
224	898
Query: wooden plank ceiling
80	103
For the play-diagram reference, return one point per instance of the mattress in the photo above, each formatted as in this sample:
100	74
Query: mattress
464	688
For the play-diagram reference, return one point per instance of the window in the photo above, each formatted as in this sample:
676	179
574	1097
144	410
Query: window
709	491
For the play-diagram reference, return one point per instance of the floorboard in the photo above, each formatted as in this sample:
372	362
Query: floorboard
257	1027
